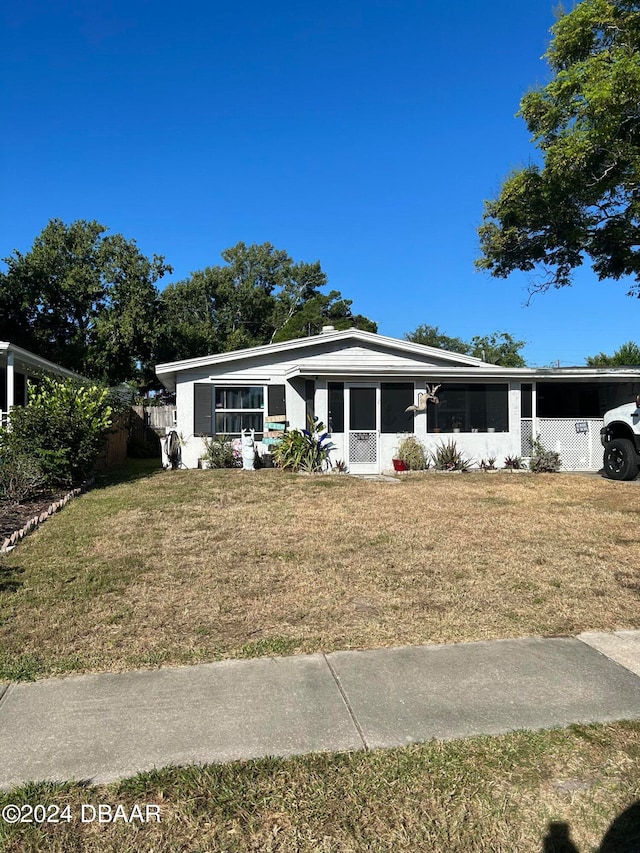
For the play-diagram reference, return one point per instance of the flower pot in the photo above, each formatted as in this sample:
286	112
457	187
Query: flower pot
399	465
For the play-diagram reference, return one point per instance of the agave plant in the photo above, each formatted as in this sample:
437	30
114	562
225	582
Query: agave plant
305	449
447	457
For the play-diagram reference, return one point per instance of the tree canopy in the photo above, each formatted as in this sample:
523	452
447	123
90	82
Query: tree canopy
84	299
498	348
89	301
628	355
584	200
259	296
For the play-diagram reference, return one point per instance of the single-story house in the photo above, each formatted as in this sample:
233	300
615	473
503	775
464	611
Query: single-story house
360	385
17	365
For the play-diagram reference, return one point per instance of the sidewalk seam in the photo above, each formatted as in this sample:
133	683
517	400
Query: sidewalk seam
346	702
606	656
4	689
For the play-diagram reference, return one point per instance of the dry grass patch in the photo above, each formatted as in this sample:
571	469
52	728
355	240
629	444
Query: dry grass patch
196	565
517	793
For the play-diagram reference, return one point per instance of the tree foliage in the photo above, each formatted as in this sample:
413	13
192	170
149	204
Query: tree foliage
84	299
62	429
89	301
431	336
628	355
498	348
584	200
259	296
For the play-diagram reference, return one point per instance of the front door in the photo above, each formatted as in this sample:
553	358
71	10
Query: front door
362	433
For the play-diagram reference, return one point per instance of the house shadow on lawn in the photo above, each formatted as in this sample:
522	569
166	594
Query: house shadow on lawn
132	470
623	836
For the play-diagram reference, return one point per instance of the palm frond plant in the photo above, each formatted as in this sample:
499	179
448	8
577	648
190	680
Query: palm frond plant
305	449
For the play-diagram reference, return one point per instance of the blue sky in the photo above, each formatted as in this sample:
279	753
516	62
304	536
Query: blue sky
362	134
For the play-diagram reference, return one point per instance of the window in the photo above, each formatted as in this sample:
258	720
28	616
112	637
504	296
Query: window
395	397
227	410
470	407
239	408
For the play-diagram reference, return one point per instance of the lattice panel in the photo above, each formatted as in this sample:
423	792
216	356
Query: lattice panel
579	451
526	437
363	448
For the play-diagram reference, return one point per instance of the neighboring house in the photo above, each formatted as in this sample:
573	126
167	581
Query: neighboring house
17	365
359	384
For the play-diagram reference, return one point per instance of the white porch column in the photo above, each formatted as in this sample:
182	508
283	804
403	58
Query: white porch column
10	380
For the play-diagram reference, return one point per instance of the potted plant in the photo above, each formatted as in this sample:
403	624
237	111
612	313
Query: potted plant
411	455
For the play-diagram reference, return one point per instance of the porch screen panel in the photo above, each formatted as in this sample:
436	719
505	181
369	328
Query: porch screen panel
362	409
470	406
309	397
336	406
582	399
202	409
395	397
3	389
276	400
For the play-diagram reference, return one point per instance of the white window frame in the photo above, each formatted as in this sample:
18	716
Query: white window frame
227	411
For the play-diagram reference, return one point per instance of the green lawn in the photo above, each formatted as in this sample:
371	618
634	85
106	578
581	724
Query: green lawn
189	566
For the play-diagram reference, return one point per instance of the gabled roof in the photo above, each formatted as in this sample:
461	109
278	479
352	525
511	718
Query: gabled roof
167	372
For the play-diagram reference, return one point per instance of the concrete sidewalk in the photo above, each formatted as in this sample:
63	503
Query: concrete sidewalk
108	726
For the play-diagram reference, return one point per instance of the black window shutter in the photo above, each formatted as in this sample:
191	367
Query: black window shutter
203	409
276	398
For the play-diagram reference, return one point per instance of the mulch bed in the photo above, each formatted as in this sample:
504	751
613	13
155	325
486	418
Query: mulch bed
15	516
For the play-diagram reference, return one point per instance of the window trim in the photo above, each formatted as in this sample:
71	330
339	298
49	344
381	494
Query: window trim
234	411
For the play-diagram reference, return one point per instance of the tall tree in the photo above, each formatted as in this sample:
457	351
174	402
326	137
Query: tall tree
260	296
628	355
584	200
84	300
431	336
498	348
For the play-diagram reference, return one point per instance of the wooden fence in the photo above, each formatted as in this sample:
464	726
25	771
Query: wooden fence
137	425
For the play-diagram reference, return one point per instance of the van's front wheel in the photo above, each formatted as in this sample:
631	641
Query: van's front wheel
620	460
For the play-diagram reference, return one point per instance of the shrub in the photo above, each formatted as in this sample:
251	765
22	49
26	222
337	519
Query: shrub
219	452
488	464
514	463
413	453
544	461
447	457
305	449
63	428
21	477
